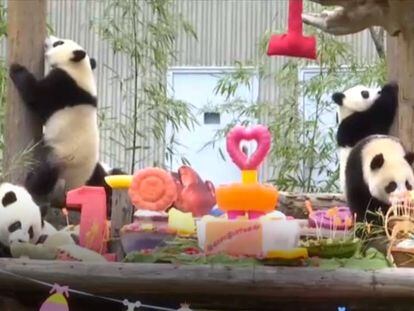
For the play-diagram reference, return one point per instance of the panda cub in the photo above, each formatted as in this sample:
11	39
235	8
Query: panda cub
20	218
363	111
377	167
66	101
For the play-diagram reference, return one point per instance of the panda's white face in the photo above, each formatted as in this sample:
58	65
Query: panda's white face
387	168
20	218
71	57
356	99
61	52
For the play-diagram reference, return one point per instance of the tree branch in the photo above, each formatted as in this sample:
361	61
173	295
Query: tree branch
339	21
378	38
354	15
335	2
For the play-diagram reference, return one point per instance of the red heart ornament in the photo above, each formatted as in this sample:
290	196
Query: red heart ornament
260	134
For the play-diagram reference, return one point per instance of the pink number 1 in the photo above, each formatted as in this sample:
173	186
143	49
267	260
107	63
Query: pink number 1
91	201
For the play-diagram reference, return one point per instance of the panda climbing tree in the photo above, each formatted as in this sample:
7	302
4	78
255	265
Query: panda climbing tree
395	17
384	171
66	103
363	111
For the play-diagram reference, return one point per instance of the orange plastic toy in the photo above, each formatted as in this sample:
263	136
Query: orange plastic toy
250	196
157	190
153	189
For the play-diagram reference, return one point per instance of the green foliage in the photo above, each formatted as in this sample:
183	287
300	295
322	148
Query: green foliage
371	260
22	159
304	154
145	31
175	252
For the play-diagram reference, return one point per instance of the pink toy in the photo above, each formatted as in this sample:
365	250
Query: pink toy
293	43
57	301
260	134
321	218
91	201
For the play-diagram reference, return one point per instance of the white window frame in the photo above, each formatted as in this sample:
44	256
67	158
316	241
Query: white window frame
206	70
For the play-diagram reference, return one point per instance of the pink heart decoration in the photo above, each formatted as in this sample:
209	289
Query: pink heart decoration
260	134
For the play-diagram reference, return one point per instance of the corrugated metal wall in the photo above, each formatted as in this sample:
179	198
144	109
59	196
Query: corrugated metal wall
227	31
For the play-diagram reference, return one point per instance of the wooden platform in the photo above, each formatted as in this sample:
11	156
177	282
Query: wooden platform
219	287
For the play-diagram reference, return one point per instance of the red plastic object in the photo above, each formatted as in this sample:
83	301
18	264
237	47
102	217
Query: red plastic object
194	194
293	43
91	201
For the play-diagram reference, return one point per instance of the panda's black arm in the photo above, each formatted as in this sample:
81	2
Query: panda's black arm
5	251
382	113
25	83
51	92
40	95
354	128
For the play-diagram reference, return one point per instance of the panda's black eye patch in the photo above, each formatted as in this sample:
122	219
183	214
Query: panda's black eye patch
408	185
377	162
15	226
57	43
9	198
365	94
391	187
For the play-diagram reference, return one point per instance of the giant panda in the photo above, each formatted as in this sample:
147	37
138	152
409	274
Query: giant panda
66	102
377	167
363	111
20	218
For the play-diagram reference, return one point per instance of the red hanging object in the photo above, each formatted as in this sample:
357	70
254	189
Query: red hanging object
293	43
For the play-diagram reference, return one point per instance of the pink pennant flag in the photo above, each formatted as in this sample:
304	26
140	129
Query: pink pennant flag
57	301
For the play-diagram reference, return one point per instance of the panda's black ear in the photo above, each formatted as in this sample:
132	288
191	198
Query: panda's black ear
338	98
8	198
409	157
377	162
93	63
78	55
43	210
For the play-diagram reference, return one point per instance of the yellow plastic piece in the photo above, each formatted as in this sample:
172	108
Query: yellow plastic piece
119	181
182	222
288	254
147	227
249	176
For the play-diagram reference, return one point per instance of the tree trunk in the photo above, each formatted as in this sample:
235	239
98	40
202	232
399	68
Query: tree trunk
26	34
400	64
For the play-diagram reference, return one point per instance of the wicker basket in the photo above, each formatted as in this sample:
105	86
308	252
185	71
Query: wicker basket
402	257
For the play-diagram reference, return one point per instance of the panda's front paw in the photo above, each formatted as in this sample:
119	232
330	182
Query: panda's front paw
17	71
391	86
